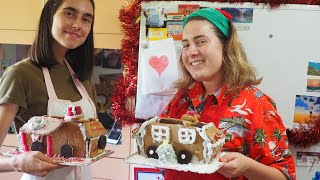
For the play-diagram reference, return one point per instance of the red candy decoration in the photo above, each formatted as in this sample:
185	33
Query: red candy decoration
24	142
49	146
78	110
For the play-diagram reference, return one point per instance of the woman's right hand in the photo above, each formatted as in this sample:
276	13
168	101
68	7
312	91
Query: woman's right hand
35	163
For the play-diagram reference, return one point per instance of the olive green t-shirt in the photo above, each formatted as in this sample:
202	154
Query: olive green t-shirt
23	84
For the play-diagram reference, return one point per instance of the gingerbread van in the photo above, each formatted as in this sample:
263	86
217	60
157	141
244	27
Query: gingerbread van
189	140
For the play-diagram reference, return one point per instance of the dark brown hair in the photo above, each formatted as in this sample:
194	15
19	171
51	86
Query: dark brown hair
80	58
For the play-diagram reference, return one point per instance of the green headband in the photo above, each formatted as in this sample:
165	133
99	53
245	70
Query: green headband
213	16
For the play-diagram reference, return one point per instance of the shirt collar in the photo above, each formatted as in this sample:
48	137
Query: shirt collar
196	92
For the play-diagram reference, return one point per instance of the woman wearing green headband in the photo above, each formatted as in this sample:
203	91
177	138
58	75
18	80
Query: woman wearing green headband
219	84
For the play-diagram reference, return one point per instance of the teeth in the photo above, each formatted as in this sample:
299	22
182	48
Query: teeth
196	63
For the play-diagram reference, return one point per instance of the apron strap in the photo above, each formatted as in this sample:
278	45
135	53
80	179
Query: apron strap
51	92
80	86
76	81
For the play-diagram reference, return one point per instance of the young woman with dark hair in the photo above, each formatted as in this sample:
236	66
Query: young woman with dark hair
57	72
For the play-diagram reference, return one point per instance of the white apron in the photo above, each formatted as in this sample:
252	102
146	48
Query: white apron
56	107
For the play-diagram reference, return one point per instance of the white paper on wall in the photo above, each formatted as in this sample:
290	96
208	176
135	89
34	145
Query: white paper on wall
148	106
157	71
158	63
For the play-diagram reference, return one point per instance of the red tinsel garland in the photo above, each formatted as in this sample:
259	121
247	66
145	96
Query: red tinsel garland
304	135
127	86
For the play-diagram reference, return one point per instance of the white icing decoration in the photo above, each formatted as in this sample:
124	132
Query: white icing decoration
38	122
208	146
51	125
186	135
195	160
202	132
141	132
88	146
20	140
166	153
83	131
36	137
160	133
208	149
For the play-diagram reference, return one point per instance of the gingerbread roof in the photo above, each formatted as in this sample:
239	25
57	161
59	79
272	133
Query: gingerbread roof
41	125
94	128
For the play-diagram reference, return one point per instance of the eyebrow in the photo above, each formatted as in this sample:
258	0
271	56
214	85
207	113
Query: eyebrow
194	38
73	9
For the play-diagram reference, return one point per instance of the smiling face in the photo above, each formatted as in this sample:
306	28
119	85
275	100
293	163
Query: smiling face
202	51
71	25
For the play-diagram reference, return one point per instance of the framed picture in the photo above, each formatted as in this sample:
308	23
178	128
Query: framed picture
147	174
108	58
104	91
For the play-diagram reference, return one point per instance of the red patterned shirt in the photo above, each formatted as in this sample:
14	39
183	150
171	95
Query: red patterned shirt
251	123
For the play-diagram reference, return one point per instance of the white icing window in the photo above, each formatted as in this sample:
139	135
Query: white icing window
160	133
187	136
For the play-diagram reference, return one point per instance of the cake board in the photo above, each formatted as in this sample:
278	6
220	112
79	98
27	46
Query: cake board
197	168
72	161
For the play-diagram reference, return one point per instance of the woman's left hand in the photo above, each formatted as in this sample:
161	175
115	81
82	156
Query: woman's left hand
236	164
130	103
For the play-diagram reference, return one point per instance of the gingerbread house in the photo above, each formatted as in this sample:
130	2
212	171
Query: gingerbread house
56	137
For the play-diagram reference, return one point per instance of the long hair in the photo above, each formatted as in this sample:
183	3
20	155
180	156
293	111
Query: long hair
238	71
40	52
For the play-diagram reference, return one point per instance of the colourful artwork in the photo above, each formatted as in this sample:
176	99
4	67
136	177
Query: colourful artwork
313	85
174	29
307	109
157	33
308	159
108	58
159	64
155	17
240	15
314	68
188	8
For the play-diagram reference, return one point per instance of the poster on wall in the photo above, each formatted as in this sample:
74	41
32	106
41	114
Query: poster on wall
240	15
314	69
313	81
313	85
309	159
108	58
307	109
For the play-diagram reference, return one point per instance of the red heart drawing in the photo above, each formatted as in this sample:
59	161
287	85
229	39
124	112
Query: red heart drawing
159	64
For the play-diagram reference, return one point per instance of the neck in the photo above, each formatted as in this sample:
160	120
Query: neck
59	52
213	85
